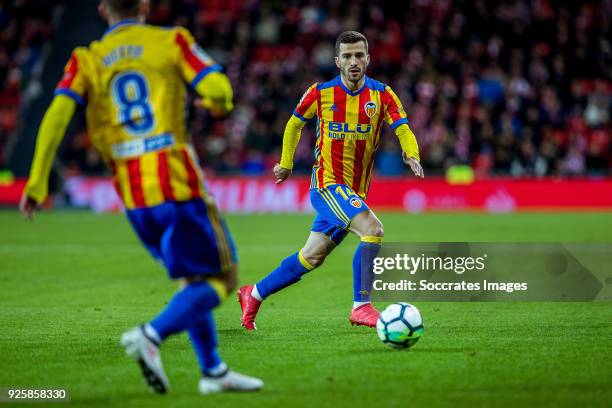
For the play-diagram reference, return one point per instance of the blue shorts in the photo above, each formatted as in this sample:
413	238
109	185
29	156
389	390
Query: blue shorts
336	205
189	237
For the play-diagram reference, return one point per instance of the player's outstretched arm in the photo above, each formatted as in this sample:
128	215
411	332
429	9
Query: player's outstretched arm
50	134
291	138
410	149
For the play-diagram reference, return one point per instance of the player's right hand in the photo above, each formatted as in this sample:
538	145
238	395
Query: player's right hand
414	164
280	173
28	206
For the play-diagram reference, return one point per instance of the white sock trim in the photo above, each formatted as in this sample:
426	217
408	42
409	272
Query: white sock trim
152	333
218	369
255	293
357	304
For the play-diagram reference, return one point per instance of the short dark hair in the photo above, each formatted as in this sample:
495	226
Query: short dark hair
122	8
350	37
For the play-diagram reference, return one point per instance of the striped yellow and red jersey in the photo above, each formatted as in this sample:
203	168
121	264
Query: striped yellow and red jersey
132	82
348	130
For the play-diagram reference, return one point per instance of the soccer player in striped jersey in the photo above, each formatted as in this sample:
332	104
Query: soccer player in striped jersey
350	110
132	83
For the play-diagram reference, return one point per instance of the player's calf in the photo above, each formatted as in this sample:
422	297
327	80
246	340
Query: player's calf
370	231
288	272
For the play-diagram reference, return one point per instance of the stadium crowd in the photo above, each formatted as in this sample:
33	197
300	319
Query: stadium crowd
515	87
25	33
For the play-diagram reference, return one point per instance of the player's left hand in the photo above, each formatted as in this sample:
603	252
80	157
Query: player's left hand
414	164
28	206
280	173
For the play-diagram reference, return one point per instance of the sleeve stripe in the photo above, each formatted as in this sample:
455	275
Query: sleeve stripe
300	117
307	100
193	61
70	73
203	73
70	93
399	122
396	114
398	103
393	108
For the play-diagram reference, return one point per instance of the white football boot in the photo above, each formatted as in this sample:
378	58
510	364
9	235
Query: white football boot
230	381
146	353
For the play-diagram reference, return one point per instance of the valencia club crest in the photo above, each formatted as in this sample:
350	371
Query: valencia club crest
370	108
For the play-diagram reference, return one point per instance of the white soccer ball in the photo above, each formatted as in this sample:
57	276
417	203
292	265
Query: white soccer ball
400	325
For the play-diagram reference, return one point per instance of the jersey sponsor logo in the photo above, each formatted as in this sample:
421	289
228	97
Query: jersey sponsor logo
348	136
370	108
355	202
348	128
138	147
347	131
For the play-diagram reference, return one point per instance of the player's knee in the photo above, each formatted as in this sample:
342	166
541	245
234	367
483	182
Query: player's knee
375	229
314	259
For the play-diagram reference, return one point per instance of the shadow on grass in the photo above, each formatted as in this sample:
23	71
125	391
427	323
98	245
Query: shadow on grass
415	349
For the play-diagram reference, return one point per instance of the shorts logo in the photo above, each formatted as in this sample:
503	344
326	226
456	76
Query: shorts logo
355	202
370	108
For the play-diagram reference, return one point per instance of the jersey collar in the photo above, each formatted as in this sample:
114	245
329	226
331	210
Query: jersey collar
119	24
348	91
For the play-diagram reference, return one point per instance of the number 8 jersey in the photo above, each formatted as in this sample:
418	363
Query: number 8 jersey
132	82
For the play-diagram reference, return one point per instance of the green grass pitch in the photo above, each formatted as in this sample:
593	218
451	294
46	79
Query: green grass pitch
72	282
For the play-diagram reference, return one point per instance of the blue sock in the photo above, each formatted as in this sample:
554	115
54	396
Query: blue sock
184	309
289	271
363	277
204	341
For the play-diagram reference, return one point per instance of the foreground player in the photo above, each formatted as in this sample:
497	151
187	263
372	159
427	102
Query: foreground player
350	110
133	83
